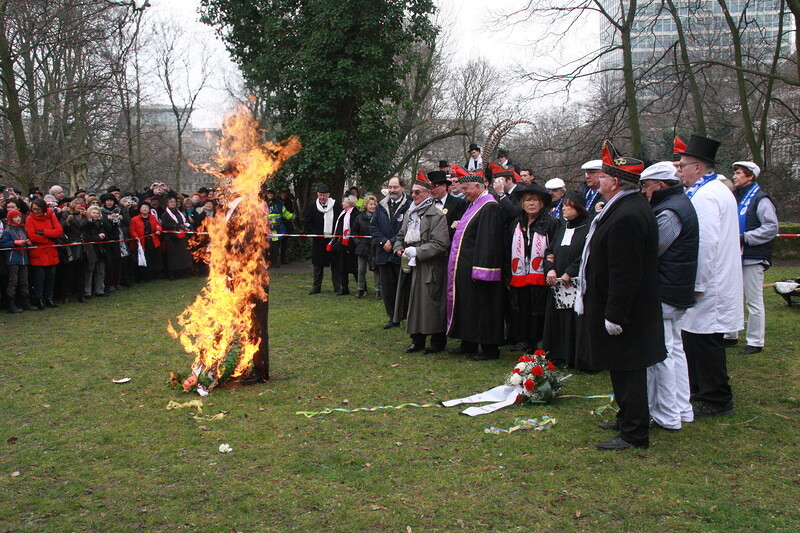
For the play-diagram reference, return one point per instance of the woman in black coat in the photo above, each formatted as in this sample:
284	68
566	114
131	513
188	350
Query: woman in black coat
96	233
527	241
562	326
175	225
72	262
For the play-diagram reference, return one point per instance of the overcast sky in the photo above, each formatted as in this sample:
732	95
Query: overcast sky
470	26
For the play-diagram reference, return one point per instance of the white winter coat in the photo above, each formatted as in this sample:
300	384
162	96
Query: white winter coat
719	266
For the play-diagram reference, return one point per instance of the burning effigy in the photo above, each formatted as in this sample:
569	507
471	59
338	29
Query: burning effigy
225	328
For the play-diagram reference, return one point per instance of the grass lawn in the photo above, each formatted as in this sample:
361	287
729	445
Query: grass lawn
79	452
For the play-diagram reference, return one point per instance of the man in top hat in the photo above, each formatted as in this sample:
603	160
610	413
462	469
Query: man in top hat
384	227
505	162
320	217
718	294
678	239
557	189
592	172
618	297
450	206
424	241
475	161
444	166
758	227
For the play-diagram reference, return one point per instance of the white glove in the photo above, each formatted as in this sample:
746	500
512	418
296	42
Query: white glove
613	329
410	252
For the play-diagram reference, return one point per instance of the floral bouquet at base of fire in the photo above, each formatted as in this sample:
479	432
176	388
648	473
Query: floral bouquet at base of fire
538	378
202	381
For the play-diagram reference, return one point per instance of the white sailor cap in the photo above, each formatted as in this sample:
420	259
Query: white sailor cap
594	164
555	183
748	165
662	171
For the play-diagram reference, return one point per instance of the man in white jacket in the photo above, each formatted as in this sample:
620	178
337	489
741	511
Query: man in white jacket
718	295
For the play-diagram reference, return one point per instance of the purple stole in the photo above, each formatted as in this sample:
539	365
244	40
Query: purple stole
456	249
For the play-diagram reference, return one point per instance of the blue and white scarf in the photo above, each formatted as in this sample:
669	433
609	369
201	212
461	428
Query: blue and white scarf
557	209
590	196
708	178
744	204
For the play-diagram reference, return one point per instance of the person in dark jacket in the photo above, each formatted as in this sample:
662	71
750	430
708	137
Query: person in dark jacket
527	240
451	207
14	237
72	265
384	227
619	297
176	239
96	233
678	242
365	251
319	218
117	219
343	248
562	325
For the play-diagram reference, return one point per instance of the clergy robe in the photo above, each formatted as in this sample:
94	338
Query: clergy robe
474	275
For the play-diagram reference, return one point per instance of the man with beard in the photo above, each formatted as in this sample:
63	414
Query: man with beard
423	241
319	218
474	275
619	299
384	227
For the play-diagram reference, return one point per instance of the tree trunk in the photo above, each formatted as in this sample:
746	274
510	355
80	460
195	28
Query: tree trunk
631	104
14	109
694	90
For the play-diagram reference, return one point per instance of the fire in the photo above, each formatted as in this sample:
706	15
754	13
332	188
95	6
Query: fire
226	324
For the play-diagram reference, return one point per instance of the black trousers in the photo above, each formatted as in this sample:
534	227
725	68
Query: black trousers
335	277
630	392
390	274
708	368
438	340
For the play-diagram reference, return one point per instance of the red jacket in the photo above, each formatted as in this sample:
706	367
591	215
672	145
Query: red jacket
137	230
50	227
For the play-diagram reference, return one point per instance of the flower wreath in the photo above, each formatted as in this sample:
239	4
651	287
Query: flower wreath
539	379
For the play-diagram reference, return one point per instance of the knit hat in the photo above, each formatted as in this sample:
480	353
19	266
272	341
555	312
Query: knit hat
11	214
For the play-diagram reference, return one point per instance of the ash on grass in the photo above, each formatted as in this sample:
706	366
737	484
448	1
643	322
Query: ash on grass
96	456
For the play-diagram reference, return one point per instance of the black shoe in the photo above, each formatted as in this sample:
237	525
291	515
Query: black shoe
655	425
434	349
712	410
100	295
314	291
253	379
519	347
51	303
483	356
618	443
40	305
343	293
750	350
390	325
609	425
730	342
26	306
461	350
13	308
414	348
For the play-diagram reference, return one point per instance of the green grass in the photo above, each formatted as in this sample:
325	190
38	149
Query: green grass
92	455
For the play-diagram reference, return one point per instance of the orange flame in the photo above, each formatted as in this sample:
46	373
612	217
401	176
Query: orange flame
221	317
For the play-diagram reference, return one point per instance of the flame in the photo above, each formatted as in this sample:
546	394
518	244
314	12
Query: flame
221	318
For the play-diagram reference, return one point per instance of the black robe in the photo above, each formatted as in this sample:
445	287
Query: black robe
562	326
176	247
474	275
315	224
622	287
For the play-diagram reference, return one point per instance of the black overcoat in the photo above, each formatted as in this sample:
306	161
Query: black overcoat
315	224
622	287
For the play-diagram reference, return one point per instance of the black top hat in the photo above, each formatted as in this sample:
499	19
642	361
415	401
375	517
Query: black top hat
107	196
444	164
702	148
323	189
472	147
533	188
437	176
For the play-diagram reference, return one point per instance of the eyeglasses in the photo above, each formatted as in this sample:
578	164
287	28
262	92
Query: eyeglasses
681	165
416	192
